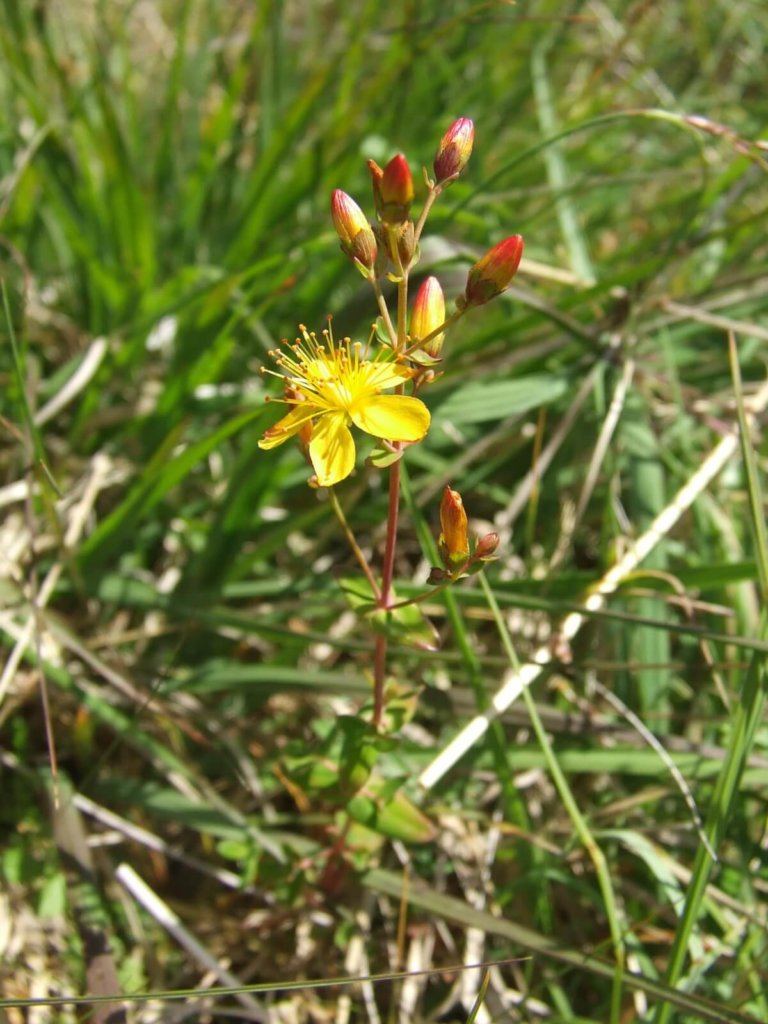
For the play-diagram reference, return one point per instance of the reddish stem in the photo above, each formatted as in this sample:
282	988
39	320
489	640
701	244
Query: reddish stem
385	593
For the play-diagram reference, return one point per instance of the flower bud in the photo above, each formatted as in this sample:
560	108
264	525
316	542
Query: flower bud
453	542
406	244
354	231
454	150
376	175
428	314
486	546
493	273
398	243
392	189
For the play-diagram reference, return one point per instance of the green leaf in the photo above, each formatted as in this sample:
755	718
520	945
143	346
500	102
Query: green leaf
382	457
486	401
358	593
359	751
53	896
312	772
163	472
406	625
392	815
232	849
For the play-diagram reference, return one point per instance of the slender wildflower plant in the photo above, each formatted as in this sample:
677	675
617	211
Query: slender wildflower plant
332	385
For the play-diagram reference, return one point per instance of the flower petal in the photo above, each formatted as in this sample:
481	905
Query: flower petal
393	417
332	449
288	425
384	373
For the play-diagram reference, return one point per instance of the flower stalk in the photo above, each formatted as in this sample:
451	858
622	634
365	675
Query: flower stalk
383	602
332	385
393	515
357	551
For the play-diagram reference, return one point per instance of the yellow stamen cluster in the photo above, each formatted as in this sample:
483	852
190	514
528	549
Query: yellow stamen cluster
332	384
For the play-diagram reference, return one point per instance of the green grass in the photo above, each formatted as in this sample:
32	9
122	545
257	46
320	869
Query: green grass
173	611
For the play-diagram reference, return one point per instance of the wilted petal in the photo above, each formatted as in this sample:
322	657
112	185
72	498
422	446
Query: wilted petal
288	425
393	417
332	449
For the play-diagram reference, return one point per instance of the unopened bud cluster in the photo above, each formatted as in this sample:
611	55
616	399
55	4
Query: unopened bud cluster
390	246
453	543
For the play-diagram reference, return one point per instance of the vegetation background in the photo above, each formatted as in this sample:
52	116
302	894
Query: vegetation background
174	622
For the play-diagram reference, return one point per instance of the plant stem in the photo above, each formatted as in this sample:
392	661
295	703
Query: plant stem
388	566
419	598
431	197
389	548
387	572
384	311
362	561
402	305
454	577
746	715
569	802
448	322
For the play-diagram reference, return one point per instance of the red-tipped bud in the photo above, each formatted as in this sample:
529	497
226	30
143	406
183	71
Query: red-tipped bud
354	231
428	314
493	273
486	546
392	189
376	175
453	542
454	150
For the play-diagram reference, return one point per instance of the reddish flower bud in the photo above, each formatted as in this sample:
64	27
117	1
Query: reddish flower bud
428	314
354	231
376	175
392	189
493	273
454	150
453	542
486	546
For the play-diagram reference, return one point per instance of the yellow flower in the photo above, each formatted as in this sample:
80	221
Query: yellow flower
335	385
